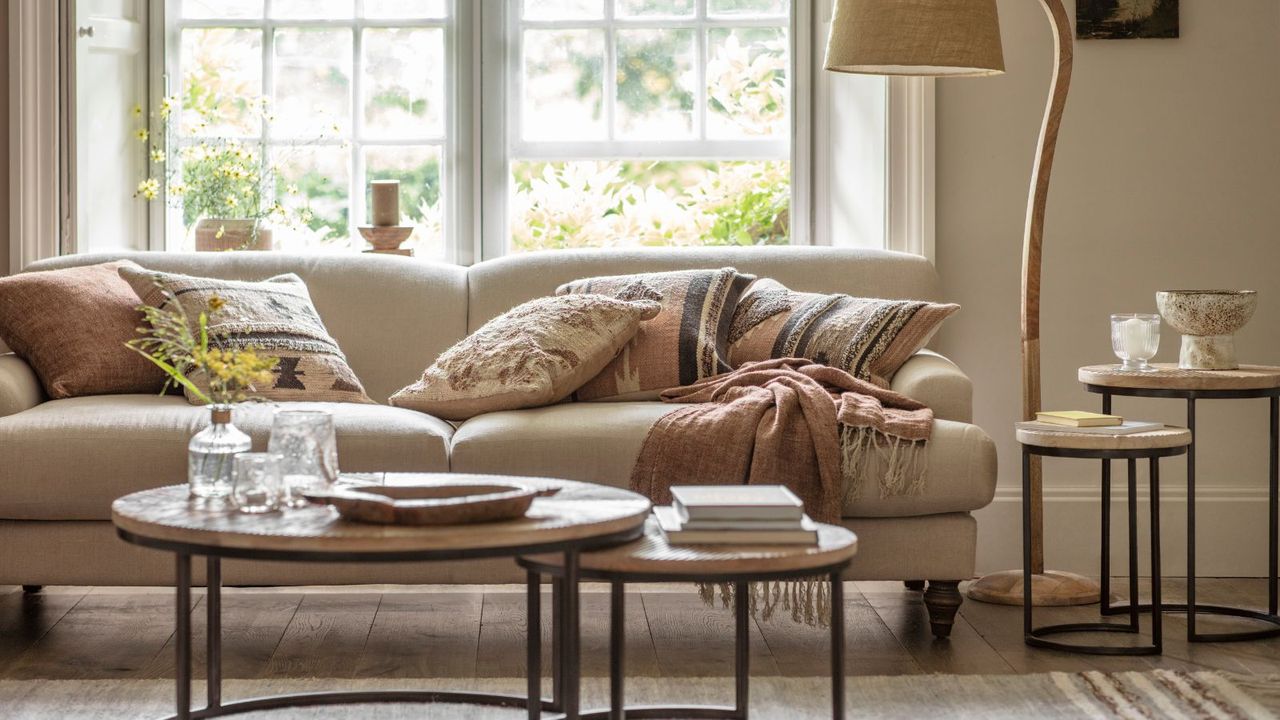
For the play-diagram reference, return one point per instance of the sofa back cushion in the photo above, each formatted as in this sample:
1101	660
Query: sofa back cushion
495	286
391	317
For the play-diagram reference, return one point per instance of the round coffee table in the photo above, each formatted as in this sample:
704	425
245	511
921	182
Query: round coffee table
1170	381
652	559
578	516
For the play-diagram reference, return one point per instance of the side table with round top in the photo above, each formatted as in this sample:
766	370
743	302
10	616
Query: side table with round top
1151	446
652	559
1170	381
573	517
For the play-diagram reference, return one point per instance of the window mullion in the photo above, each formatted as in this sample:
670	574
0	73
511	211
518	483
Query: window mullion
268	190
700	91
610	72
355	158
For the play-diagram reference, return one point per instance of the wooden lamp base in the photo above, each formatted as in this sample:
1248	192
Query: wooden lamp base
1048	589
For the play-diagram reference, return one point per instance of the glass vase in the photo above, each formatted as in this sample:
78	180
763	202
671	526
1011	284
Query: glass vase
211	454
306	444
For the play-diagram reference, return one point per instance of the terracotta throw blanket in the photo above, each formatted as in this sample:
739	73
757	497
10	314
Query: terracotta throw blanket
814	428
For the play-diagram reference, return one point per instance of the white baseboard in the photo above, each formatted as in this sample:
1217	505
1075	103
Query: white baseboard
1231	529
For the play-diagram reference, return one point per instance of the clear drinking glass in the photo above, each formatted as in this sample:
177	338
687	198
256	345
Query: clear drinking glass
307	446
1135	338
257	484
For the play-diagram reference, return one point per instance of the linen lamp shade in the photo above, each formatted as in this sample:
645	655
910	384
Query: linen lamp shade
935	38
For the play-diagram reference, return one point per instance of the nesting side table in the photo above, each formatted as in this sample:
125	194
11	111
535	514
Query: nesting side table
1139	446
1170	381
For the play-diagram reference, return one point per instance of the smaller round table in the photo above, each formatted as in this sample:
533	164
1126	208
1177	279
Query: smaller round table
652	559
1151	446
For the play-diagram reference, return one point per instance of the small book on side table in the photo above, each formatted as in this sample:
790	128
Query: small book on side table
745	532
1078	418
1128	427
736	502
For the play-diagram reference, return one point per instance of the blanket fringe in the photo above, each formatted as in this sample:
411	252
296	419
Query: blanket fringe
864	449
807	599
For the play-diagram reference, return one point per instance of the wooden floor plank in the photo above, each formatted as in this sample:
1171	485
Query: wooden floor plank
253	624
695	640
326	636
904	613
26	617
423	635
105	636
115	633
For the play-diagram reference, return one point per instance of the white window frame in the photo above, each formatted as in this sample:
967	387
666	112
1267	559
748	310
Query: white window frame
455	175
500	31
37	220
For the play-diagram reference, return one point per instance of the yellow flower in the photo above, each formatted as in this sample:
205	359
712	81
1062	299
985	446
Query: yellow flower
137	111
142	134
222	229
177	189
232	201
148	188
216	303
166	107
157	156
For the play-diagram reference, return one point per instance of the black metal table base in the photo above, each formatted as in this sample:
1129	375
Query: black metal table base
1191	608
563	705
1038	636
619	710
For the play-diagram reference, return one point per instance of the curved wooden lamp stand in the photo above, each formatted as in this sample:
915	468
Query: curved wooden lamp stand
1052	587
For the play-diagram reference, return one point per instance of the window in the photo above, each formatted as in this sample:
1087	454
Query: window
602	123
649	122
323	99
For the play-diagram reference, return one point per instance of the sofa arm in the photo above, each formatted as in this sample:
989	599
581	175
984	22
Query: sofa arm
937	382
19	387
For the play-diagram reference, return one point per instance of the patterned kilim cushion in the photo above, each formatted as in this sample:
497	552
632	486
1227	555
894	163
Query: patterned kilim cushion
868	338
276	317
686	342
535	354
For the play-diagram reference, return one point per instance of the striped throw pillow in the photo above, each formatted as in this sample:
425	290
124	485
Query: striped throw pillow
686	342
867	337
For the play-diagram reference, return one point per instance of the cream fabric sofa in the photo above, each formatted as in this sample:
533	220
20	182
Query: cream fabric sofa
62	462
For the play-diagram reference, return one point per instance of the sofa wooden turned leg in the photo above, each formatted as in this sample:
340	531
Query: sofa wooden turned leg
32	589
942	600
914	585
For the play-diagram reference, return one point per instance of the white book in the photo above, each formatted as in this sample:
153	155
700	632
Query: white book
672	526
1129	427
736	502
797	524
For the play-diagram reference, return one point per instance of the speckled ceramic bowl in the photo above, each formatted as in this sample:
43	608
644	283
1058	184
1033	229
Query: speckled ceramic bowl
1207	320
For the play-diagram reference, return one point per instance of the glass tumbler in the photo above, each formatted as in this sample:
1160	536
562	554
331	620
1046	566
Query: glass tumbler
257	485
1135	338
307	447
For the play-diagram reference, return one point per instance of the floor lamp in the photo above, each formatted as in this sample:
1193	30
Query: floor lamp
961	38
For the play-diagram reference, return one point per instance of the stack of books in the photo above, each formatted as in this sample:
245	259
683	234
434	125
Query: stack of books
736	514
1080	421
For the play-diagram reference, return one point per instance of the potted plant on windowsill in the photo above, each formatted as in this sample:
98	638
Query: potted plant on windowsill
219	183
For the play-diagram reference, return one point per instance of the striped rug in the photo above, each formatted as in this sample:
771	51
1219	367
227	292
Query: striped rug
1128	696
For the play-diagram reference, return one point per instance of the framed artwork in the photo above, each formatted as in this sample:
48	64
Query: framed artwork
1125	19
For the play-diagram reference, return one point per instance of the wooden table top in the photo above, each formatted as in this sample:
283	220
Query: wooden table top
652	555
1168	376
1169	437
579	511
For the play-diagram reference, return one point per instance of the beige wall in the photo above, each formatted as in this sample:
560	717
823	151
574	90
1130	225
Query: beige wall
1167	176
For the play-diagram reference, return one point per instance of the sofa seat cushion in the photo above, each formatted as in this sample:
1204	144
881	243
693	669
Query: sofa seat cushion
69	459
599	442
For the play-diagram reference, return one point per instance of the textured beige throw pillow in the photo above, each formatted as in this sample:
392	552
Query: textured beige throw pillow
274	316
685	343
869	338
535	354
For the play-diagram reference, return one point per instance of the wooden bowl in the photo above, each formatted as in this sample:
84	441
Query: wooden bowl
436	504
